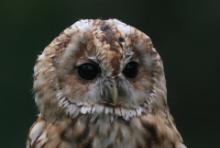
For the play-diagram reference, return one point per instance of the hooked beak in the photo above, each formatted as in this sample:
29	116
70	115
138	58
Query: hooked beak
114	93
110	91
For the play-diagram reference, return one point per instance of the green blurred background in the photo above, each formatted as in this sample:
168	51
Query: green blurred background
186	34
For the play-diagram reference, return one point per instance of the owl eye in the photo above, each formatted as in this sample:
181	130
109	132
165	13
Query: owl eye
131	69
88	71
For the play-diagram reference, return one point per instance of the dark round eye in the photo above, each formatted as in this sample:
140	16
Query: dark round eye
88	71
131	69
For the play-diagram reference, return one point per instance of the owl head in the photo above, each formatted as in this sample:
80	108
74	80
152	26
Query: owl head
99	67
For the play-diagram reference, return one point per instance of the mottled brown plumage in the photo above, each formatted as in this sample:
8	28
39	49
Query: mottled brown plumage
101	84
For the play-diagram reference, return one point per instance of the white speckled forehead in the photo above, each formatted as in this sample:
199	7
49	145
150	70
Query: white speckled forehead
87	25
83	25
122	27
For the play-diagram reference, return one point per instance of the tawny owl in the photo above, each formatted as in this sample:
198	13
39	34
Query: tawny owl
101	84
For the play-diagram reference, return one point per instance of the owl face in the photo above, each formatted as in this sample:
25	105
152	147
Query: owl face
98	66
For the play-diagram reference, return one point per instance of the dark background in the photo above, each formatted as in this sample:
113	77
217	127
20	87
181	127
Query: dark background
186	34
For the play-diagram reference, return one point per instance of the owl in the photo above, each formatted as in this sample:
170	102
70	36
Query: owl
101	84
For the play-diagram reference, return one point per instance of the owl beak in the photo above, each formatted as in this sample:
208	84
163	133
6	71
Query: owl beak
114	92
110	91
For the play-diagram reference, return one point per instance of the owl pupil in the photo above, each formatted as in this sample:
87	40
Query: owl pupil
131	69
88	71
